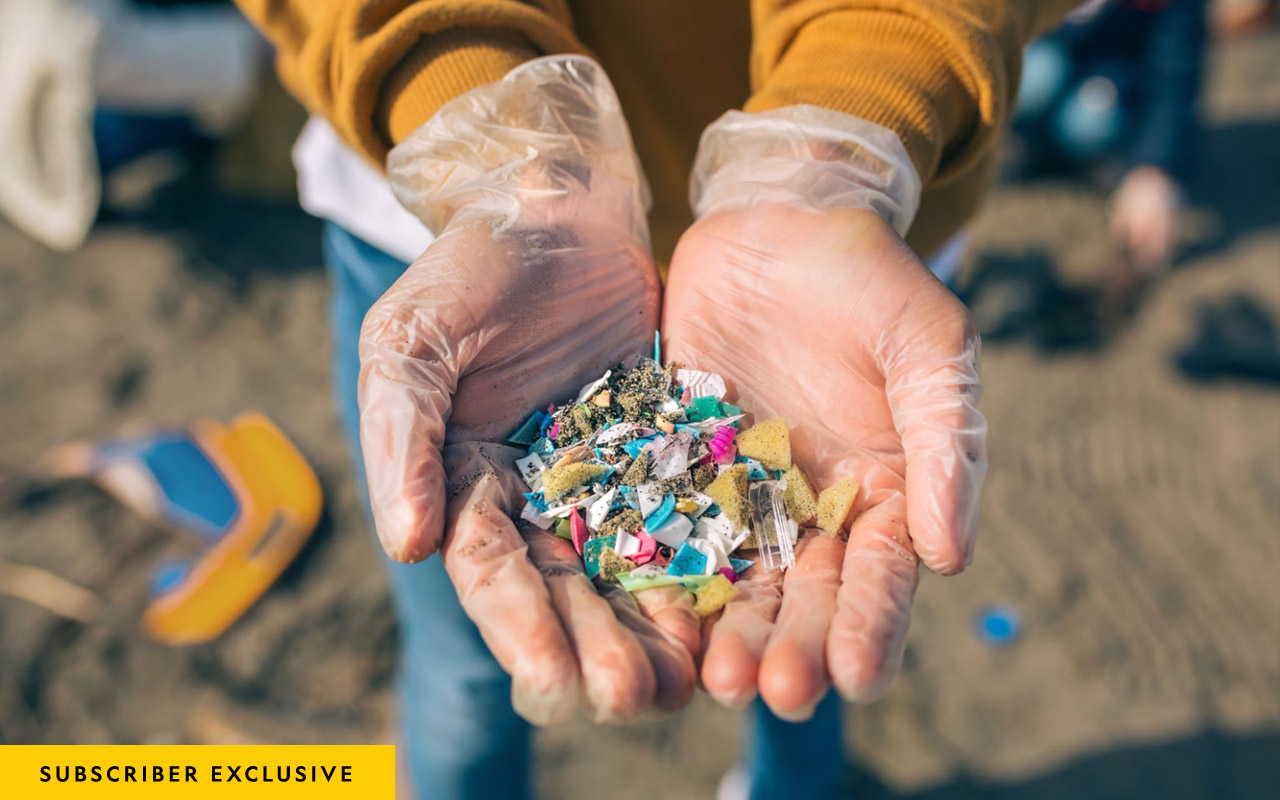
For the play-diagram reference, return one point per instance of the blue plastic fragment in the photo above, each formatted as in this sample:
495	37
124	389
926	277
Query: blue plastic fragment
542	447
629	496
688	561
998	625
529	431
538	499
633	448
591	554
740	564
660	514
657	346
547	421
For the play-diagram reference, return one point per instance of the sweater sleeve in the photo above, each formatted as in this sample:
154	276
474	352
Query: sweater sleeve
377	69
943	74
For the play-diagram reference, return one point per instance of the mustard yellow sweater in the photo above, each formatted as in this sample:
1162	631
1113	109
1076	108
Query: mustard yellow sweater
941	73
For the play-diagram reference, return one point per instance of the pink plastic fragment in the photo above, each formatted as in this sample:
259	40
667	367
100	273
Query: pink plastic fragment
553	431
721	445
648	549
729	573
578	530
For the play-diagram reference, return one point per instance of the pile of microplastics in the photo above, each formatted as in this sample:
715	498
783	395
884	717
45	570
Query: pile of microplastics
647	473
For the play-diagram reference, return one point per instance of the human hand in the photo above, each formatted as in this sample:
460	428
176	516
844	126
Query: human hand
539	280
1146	218
818	313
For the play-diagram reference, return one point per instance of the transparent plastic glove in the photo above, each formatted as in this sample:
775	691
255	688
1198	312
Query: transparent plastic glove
799	292
539	280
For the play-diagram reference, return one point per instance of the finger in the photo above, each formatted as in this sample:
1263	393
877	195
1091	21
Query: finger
504	594
933	385
735	641
873	606
406	381
617	677
793	672
671	658
671	609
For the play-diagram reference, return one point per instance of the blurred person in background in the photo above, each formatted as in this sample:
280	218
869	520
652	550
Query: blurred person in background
1111	92
513	263
91	85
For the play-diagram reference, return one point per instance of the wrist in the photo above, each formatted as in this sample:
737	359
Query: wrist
804	157
548	142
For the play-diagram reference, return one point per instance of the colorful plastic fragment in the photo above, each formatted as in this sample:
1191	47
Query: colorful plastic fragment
834	503
652	481
578	530
647	548
558	481
713	596
722	447
661	514
767	441
688	561
674	531
798	496
729	491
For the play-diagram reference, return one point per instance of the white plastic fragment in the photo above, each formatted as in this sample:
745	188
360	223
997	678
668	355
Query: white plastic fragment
590	389
713	553
697	383
531	468
670	455
626	544
623	432
674	531
672	410
567	509
710	425
531	514
598	510
703	502
649	499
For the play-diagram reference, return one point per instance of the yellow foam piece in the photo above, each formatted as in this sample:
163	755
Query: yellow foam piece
713	595
729	491
834	503
800	499
559	480
768	442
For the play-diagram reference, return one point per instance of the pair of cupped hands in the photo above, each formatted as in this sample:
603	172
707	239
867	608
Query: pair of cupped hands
792	284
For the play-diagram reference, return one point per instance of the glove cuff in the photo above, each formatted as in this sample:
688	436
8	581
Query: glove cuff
546	141
807	157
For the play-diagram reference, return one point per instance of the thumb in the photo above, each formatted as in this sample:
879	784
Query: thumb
933	384
408	374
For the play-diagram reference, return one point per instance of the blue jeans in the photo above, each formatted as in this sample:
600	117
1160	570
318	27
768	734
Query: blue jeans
462	738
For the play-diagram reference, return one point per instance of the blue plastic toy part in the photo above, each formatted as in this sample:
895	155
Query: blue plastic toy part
167	575
192	484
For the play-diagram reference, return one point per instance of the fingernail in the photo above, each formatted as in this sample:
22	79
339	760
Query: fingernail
735	701
798	715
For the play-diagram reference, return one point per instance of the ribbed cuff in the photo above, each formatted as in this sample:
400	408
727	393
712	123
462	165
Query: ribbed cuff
884	67
439	69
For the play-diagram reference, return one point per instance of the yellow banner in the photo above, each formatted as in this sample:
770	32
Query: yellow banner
232	772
